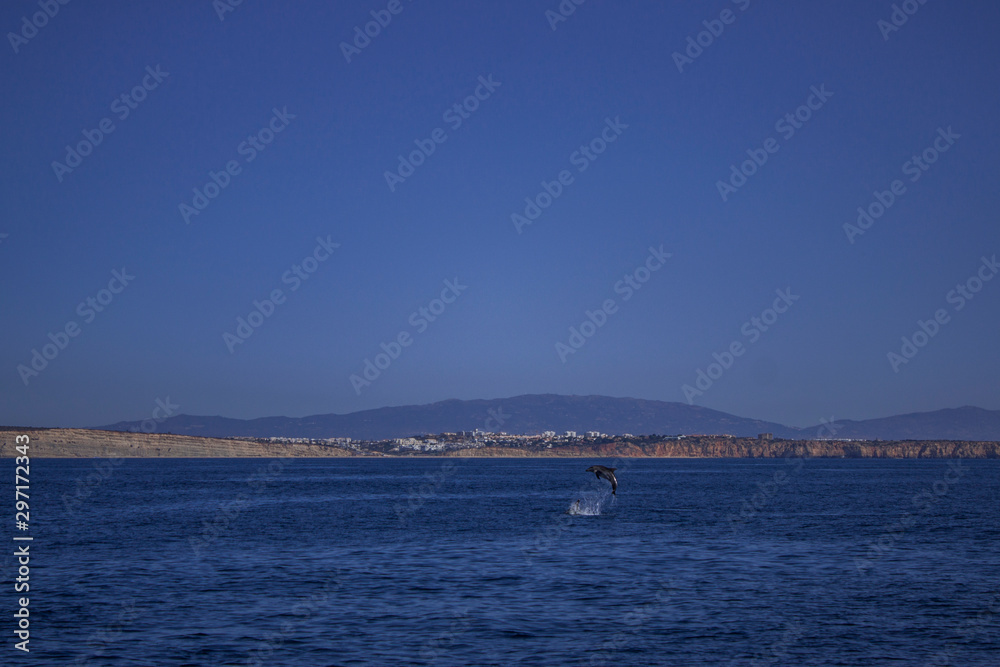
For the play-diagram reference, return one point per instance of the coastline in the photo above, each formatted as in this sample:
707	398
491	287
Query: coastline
86	443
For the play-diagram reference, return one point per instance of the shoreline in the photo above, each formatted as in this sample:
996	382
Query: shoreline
86	444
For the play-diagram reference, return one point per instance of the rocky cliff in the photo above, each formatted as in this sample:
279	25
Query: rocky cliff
711	447
84	443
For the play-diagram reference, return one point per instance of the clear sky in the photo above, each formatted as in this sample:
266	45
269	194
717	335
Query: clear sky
309	121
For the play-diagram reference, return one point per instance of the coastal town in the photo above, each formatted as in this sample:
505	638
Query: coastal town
545	443
77	443
464	440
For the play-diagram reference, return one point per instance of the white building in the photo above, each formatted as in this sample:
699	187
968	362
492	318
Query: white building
570	434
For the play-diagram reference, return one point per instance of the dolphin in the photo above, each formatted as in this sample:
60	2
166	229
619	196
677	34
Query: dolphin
606	473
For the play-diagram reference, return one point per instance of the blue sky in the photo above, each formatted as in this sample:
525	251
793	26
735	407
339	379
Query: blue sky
521	288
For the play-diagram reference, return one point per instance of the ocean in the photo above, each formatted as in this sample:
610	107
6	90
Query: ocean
435	561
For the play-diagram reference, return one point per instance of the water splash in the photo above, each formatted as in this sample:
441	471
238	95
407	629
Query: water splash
590	504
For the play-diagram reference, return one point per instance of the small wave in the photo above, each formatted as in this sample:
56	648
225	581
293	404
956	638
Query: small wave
590	505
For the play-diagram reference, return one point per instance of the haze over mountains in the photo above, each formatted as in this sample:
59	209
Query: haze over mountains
535	413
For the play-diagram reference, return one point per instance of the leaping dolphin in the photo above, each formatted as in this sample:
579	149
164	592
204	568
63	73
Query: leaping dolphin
606	473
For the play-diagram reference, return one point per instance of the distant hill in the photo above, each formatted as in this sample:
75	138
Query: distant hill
534	413
966	423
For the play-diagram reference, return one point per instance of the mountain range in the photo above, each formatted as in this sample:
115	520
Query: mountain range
535	413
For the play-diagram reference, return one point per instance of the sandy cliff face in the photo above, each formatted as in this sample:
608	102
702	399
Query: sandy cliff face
72	443
82	443
743	448
710	447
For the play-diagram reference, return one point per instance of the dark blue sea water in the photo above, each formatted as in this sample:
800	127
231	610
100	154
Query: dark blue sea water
475	562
